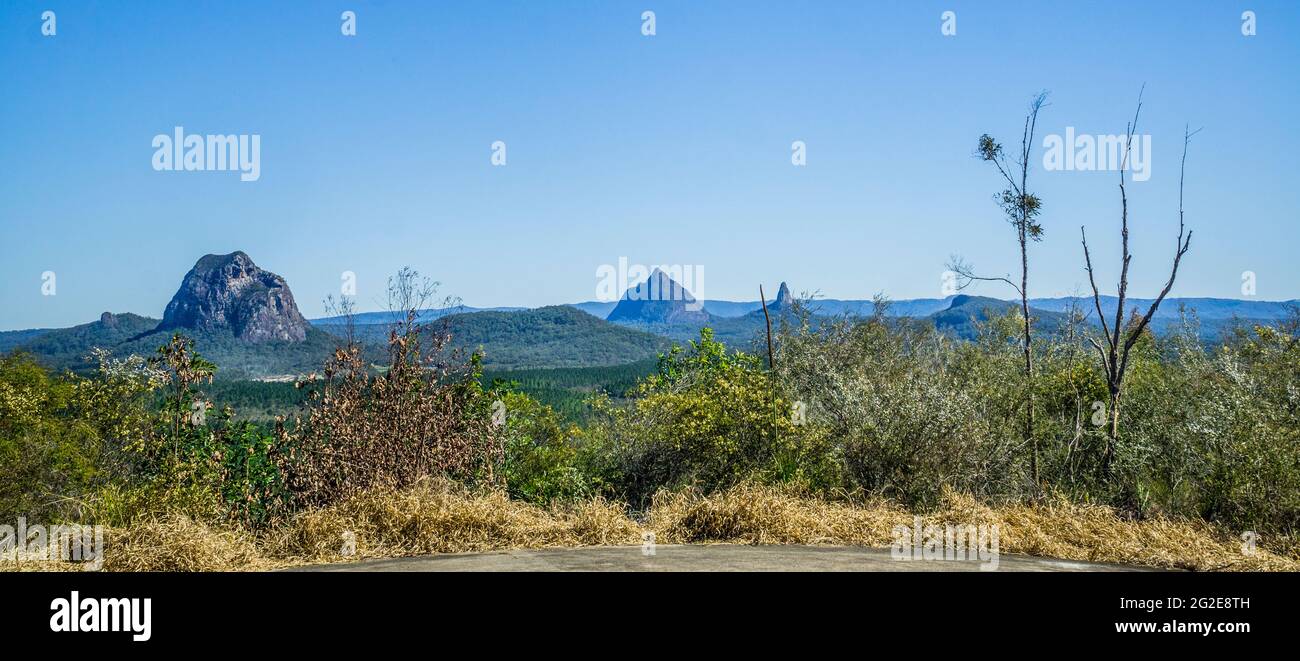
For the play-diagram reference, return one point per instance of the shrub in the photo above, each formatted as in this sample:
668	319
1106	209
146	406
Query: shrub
47	451
1218	430
186	459
423	415
708	418
1209	432
541	459
885	392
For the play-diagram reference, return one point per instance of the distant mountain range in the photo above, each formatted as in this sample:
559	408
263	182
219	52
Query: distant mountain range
1206	308
245	319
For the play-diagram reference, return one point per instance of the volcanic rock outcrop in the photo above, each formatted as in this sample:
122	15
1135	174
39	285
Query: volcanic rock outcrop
230	293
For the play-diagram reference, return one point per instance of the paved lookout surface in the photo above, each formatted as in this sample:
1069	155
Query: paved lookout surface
716	557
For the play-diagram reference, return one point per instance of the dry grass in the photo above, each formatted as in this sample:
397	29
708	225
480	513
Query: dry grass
762	515
1096	534
181	544
437	517
440	518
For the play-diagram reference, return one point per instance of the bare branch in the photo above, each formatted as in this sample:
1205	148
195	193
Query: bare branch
1122	337
1096	295
1180	248
1105	362
966	275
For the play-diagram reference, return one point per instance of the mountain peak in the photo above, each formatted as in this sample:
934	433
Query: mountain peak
658	299
783	297
230	293
963	300
208	263
659	287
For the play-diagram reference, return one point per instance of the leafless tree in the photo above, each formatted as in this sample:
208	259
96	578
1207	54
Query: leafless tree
1121	335
1021	208
409	296
411	300
345	307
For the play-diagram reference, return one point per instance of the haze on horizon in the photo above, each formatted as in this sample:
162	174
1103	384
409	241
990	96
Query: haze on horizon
668	149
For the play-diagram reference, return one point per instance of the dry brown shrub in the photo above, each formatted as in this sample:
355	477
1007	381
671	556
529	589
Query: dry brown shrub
424	415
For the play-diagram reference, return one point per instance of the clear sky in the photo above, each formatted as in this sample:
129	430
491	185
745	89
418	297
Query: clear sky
668	149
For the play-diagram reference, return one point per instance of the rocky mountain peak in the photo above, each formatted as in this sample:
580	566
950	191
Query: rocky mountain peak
783	297
659	299
230	293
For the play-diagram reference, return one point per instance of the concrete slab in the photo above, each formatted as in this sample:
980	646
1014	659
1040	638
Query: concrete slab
714	557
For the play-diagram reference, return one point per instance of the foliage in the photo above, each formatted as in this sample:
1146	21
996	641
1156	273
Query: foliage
874	407
887	392
196	461
708	418
132	440
423	415
46	450
1212	431
568	389
540	464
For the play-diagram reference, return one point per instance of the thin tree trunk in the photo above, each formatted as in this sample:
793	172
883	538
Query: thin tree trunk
1113	437
770	362
1029	360
768	319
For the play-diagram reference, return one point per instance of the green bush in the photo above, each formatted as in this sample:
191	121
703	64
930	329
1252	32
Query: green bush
133	439
49	453
540	464
888	395
181	456
1206	431
708	418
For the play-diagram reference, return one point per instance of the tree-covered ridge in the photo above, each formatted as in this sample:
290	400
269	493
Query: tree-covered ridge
551	337
556	336
126	334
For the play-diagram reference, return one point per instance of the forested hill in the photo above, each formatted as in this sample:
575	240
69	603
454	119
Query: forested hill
555	336
125	334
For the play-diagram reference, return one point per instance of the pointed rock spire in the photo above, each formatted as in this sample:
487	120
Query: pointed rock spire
783	297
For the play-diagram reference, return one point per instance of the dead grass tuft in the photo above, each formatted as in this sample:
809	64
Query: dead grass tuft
181	544
1097	533
434	517
750	514
1058	529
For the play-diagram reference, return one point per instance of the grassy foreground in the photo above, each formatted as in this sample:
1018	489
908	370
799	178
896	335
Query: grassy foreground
438	517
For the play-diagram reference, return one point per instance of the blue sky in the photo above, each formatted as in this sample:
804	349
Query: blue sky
671	149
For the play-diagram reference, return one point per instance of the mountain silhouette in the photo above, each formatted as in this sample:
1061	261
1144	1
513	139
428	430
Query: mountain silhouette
658	300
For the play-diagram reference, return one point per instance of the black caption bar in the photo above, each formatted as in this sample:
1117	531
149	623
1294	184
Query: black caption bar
331	611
